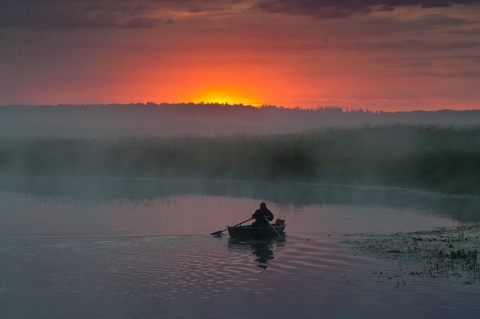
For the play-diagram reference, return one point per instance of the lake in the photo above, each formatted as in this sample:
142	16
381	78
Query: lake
141	248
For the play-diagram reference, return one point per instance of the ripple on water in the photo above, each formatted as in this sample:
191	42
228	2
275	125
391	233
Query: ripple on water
187	277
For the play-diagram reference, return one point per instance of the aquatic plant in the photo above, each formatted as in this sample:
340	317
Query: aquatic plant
460	254
443	252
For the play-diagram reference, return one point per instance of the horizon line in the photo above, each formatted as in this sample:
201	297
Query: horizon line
226	104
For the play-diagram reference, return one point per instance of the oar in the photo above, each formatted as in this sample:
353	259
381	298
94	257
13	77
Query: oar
273	227
221	231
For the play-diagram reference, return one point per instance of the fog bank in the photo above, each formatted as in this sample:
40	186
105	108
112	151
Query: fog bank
161	120
441	159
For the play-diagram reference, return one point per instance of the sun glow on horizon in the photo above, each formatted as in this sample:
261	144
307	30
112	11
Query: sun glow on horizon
225	97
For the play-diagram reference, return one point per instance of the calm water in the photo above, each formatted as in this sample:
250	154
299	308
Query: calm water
142	249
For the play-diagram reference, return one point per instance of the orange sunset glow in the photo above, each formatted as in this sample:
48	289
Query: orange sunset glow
368	54
228	97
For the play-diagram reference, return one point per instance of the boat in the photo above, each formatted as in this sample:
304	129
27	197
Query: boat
256	232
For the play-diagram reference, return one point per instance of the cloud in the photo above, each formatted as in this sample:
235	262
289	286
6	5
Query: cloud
141	22
412	45
436	20
329	9
94	14
54	14
468	32
473	74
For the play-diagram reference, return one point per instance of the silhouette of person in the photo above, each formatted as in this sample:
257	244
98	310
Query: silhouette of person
260	215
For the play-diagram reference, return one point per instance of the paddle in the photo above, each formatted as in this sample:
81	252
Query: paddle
273	227
221	231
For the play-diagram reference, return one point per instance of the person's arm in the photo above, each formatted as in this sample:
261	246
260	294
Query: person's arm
270	216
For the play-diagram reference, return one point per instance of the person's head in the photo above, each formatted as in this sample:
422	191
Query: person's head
263	205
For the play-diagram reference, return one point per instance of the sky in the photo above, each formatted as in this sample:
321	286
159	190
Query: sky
391	55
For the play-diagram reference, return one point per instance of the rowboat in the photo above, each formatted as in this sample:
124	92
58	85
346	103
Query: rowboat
255	232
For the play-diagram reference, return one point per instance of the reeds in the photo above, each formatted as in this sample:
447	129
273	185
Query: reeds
442	159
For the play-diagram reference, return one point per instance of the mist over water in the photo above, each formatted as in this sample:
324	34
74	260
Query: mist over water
444	160
109	216
439	151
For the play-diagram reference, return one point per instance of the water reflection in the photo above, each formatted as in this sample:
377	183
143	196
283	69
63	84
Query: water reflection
144	190
263	249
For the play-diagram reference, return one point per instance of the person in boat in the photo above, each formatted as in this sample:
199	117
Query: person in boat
260	215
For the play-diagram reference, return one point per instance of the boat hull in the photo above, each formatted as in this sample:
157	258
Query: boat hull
255	232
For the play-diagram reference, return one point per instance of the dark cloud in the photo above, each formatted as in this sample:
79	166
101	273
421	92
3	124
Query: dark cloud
322	8
435	20
474	74
391	26
475	59
328	9
71	14
54	14
141	22
468	32
413	45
